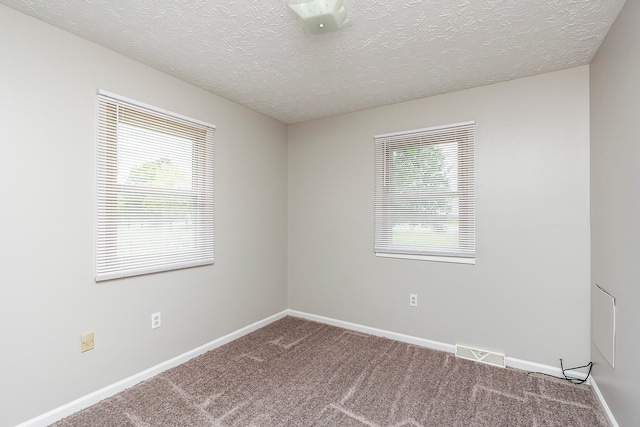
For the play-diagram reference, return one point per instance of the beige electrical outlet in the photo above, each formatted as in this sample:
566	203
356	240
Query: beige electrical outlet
86	342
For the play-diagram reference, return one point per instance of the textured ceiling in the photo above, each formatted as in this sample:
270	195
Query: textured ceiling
254	52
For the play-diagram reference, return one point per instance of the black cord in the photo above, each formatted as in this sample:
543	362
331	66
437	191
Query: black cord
576	380
564	375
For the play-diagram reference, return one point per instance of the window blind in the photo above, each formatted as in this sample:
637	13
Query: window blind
424	192
155	190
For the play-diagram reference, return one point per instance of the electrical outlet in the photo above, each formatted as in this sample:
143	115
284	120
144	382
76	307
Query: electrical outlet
155	320
413	300
86	342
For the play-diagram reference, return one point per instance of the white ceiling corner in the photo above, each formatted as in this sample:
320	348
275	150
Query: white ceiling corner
257	54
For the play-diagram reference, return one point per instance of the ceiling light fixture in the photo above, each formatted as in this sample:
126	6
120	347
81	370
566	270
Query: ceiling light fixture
321	16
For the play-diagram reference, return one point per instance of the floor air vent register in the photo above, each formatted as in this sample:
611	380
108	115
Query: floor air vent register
482	356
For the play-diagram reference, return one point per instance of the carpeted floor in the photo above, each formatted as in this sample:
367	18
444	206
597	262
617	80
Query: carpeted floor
295	372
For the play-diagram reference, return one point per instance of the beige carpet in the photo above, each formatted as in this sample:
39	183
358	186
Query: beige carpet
295	372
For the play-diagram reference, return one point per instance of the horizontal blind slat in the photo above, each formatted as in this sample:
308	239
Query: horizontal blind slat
155	177
424	192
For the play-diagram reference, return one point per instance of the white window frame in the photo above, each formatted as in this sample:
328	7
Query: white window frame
387	211
165	227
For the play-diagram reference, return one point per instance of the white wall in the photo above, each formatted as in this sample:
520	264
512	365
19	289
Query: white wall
528	294
615	205
48	296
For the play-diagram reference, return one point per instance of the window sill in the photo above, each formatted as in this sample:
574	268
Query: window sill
454	260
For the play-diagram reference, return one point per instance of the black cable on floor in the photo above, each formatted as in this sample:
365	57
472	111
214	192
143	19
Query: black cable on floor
568	378
576	380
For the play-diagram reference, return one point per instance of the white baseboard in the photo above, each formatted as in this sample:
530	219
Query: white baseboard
528	366
98	395
606	408
92	398
422	342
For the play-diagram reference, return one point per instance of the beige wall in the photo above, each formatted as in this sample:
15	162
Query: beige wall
48	296
615	205
528	294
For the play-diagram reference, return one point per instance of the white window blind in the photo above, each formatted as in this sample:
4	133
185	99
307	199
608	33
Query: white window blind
424	193
155	195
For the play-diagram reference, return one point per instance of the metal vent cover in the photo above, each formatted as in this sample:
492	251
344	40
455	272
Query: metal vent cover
478	355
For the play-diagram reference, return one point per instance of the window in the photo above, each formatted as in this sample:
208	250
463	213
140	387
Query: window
155	194
424	195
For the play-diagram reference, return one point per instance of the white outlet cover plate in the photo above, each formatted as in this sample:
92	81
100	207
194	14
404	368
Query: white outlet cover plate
156	321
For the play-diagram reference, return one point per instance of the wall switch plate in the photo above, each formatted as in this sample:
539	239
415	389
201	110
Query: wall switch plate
86	342
413	300
155	320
